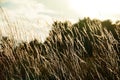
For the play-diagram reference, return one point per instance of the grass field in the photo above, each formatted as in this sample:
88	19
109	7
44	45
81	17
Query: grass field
86	50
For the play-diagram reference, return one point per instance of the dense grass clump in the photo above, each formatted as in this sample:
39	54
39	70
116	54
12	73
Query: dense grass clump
86	50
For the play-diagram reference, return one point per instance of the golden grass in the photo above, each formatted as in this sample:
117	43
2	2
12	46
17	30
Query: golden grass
87	50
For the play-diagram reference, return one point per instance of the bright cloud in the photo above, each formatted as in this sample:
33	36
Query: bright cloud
27	8
29	18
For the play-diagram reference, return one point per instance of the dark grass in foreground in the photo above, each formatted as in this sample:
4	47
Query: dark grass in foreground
87	50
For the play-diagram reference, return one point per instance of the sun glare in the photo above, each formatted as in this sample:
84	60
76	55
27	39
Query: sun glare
83	8
95	8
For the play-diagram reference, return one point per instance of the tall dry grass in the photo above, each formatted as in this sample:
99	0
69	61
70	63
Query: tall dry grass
86	50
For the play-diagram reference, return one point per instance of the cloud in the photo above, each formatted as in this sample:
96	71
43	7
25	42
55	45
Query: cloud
30	18
27	8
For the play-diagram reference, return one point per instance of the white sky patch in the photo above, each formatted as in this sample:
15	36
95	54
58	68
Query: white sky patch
102	9
25	29
27	20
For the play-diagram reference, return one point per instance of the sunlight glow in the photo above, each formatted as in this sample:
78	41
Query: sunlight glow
95	8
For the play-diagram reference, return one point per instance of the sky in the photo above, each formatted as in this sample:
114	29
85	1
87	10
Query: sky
45	12
64	9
